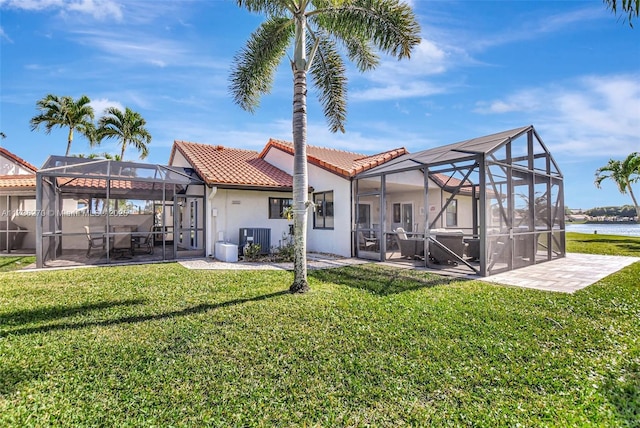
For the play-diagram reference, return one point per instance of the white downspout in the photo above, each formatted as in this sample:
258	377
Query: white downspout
211	222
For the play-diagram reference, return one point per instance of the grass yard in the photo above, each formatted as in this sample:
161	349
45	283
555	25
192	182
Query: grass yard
603	244
10	263
160	345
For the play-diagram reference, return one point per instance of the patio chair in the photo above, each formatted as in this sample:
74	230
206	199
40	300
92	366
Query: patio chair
473	249
367	244
94	241
408	248
453	242
145	242
122	242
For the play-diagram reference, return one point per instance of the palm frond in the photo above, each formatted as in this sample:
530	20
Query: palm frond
276	8
329	77
614	171
128	127
254	67
389	24
361	53
632	165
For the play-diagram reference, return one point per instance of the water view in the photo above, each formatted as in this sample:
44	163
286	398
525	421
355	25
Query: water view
624	229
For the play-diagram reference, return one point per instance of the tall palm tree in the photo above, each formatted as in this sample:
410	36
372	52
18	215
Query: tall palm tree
624	173
64	112
317	30
128	127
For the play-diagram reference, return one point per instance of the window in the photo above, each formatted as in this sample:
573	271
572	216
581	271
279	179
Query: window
277	207
396	213
323	217
452	213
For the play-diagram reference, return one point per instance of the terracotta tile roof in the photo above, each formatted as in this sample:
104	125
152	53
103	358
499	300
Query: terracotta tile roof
100	183
340	162
23	181
17	159
225	166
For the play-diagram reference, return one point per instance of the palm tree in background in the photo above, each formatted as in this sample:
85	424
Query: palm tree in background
104	155
318	30
624	173
128	127
65	112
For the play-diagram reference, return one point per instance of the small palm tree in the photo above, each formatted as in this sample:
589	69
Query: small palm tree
128	127
317	30
624	173
64	112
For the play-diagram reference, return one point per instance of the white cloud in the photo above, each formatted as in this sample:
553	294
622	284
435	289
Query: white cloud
4	36
100	105
532	27
98	9
589	116
397	90
134	48
407	78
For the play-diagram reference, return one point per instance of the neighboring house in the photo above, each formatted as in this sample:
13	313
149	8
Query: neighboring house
247	190
17	202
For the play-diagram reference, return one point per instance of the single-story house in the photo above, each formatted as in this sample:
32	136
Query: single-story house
17	203
489	204
484	205
247	192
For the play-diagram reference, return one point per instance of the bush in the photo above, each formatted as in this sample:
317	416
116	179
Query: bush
251	251
284	253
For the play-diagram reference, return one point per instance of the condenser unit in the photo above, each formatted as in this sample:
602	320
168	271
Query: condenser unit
255	235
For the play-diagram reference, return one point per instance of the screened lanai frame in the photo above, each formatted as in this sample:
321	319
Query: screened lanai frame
101	211
505	189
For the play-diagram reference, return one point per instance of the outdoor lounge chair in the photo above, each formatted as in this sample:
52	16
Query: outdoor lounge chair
409	247
473	248
94	241
454	243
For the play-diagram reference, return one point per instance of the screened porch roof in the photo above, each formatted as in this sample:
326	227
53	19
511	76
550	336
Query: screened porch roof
456	152
90	176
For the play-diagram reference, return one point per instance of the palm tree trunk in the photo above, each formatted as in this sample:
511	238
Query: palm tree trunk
635	202
124	146
69	141
300	177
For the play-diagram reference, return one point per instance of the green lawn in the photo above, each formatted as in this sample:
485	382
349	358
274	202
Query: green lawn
9	263
603	244
160	345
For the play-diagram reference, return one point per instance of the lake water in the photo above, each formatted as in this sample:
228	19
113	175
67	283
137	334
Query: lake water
605	229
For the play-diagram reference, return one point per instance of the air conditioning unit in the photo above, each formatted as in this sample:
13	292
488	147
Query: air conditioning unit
255	235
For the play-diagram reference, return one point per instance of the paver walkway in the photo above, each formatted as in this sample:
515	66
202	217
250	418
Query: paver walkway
567	275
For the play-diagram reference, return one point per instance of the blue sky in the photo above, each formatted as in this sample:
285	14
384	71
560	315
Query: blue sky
570	68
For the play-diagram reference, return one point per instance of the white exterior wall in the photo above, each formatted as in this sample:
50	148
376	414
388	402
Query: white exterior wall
409	188
9	167
230	210
336	240
437	199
